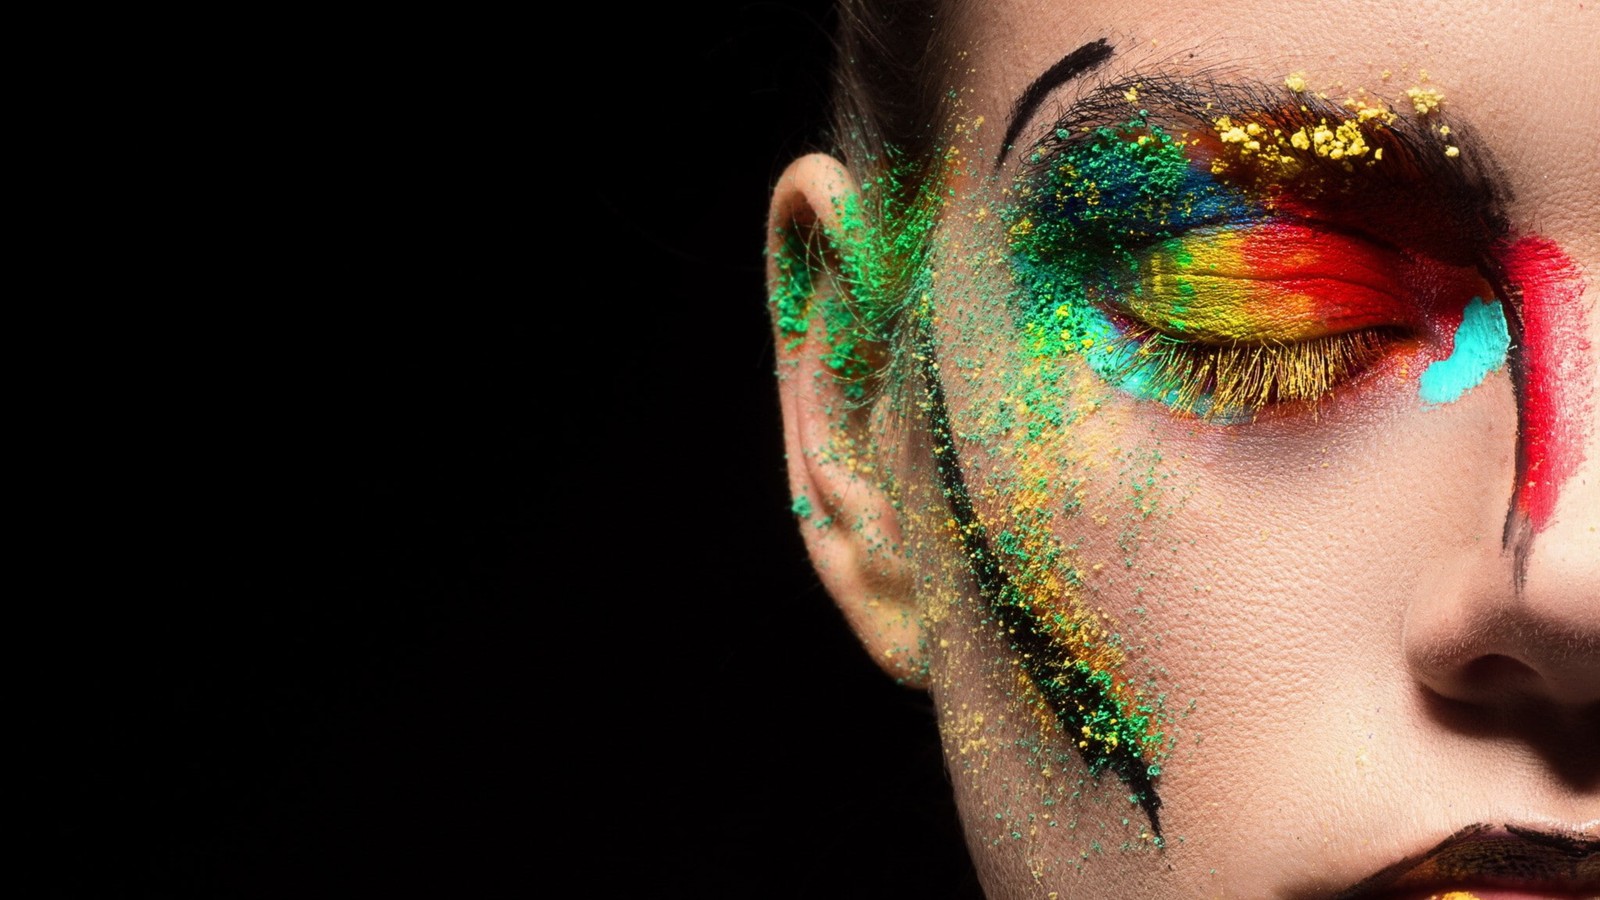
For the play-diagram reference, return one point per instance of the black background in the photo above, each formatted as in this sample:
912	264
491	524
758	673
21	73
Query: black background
434	540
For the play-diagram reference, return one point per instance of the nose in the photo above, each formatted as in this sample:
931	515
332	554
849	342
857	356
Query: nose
1520	625
1508	636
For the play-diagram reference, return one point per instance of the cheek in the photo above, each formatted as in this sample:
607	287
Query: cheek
1253	577
1262	575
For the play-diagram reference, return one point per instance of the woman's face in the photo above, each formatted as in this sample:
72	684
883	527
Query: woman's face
1256	538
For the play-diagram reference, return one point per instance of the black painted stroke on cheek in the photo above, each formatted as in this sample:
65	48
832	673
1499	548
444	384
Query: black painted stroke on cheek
1078	695
1517	534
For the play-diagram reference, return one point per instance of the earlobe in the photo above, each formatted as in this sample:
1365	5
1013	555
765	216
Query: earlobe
841	494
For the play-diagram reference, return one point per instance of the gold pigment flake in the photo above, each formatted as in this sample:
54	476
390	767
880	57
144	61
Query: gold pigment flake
1424	99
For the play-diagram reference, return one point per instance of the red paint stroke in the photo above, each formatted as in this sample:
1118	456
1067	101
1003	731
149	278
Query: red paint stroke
1556	396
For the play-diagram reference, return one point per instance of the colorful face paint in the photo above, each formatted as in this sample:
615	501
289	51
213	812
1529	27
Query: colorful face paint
1275	282
1217	270
1181	287
1479	348
1221	262
1068	656
1072	676
1555	388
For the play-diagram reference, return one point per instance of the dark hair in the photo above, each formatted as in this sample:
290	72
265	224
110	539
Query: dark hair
889	97
888	107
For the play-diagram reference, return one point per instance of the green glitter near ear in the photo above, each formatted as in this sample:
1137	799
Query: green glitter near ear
876	257
868	283
1095	205
791	295
801	506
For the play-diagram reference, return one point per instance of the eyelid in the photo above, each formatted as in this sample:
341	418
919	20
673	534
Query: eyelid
1274	282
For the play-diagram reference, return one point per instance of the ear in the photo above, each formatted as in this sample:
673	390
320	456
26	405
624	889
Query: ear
841	494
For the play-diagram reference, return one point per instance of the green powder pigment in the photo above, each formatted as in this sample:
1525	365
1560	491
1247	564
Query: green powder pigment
877	273
1072	234
1092	206
1028	587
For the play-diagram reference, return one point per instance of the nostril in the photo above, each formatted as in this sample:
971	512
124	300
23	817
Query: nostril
1474	638
1498	675
1500	678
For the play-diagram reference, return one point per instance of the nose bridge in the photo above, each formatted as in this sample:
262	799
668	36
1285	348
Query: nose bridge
1521	621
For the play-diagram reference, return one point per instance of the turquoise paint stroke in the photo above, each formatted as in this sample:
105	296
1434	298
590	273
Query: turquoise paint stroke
1482	341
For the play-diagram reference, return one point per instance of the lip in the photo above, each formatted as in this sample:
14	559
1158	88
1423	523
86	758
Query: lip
1492	862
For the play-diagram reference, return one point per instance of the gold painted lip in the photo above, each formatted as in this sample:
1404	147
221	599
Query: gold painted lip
1485	857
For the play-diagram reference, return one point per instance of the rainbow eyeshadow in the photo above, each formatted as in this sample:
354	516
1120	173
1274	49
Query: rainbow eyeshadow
1273	282
1231	264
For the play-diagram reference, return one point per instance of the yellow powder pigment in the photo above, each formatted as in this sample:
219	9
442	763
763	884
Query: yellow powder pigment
1076	686
1202	286
1280	155
1424	99
1036	558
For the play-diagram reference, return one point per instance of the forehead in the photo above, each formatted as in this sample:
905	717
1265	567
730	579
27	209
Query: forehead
1523	75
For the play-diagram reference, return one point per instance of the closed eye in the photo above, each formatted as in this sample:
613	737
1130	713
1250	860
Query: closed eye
1220	287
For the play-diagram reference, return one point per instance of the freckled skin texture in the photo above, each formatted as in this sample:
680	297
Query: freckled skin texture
1351	668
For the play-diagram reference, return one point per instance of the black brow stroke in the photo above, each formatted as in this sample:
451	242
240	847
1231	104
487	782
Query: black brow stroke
1069	67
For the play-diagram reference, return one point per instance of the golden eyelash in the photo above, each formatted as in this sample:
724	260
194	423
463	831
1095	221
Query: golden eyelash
1227	380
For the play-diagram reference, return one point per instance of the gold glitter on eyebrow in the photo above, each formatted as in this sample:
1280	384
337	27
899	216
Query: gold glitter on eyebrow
1282	152
1424	99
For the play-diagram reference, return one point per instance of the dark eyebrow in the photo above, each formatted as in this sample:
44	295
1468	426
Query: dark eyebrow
1069	67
